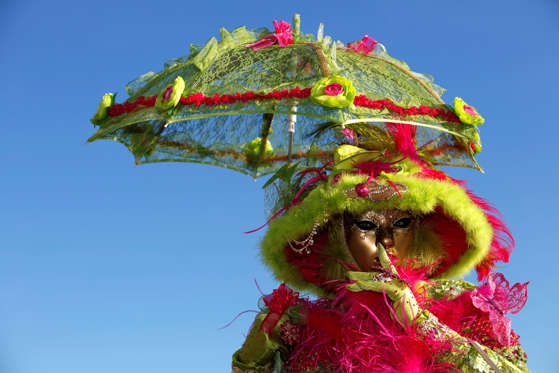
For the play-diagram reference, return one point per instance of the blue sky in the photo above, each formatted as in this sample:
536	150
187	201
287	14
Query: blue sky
107	267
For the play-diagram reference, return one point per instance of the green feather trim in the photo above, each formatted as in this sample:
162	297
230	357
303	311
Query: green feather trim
423	196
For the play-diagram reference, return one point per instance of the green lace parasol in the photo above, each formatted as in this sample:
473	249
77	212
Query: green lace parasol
258	99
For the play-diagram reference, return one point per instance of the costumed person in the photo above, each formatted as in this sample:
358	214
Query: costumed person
377	239
362	216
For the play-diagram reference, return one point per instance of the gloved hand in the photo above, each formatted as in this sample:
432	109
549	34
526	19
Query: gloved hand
404	303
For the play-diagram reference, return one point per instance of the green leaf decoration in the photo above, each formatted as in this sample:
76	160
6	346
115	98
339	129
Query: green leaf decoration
285	173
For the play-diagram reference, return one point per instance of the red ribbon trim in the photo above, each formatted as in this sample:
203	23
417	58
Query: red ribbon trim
198	99
439	112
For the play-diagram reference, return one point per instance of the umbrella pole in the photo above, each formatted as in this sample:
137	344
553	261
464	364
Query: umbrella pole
291	119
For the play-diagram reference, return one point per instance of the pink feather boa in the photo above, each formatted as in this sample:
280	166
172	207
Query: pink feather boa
358	333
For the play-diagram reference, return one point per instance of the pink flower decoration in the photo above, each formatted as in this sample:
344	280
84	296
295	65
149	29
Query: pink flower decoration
167	94
349	135
470	110
365	45
280	299
283	37
283	33
375	168
334	89
497	298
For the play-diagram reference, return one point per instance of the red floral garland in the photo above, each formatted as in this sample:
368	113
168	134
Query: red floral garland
127	107
449	116
199	98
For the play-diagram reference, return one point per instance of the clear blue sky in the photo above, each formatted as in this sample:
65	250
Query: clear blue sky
107	267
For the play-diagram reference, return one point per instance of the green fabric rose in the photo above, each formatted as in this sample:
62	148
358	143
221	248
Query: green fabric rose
466	113
102	111
476	146
334	91
170	96
252	150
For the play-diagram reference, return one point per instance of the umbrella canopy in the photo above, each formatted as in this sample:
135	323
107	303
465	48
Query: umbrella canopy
258	99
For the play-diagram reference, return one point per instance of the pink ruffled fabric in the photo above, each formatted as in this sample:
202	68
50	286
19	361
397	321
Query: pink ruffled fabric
358	333
349	135
365	45
277	302
496	297
283	33
333	89
283	37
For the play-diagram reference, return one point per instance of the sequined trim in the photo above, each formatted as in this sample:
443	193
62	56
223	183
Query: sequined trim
378	192
429	325
290	333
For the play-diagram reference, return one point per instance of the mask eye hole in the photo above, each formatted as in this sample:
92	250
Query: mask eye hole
365	225
402	223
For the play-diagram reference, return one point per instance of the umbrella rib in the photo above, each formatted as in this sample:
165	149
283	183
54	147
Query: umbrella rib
408	73
386	120
323	154
321	58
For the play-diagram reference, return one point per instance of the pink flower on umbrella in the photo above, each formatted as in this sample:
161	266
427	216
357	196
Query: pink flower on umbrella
283	33
283	37
470	110
333	89
496	297
167	93
365	45
170	96
349	135
467	114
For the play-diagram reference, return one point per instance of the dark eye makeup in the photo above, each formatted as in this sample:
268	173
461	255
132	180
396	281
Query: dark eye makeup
402	223
365	225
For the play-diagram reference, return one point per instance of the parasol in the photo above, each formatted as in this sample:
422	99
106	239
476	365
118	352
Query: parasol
257	100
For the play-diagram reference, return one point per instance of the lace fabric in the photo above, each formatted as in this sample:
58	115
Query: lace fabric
496	297
217	134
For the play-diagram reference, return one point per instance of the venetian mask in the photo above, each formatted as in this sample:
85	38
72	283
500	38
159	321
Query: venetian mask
394	229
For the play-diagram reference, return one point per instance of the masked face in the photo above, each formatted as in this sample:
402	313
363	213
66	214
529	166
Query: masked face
394	229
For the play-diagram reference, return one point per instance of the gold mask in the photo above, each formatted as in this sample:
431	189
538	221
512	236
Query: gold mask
394	229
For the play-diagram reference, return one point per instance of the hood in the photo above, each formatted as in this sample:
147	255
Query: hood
458	230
